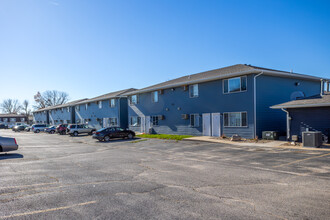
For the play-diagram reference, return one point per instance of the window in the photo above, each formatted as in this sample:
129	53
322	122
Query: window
100	104
86	106
113	121
154	96
154	120
235	119
77	107
237	84
194	120
68	121
135	121
86	120
112	103
12	119
68	109
193	91
134	99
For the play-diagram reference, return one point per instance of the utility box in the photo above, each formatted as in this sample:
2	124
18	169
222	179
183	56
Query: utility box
312	138
270	135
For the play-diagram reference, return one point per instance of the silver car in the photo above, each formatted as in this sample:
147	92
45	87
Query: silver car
75	129
8	144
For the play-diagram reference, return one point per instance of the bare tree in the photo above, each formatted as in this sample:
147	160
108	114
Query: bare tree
25	107
50	98
11	106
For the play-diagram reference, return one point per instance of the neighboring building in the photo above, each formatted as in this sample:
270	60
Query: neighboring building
57	114
226	101
308	114
10	119
104	111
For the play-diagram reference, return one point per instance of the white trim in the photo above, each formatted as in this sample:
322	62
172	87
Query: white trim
247	124
301	106
223	85
192	86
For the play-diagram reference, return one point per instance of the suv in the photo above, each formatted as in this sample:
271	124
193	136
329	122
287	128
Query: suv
76	129
38	127
61	129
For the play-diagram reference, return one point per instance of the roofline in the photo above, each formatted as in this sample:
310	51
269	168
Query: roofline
301	106
267	72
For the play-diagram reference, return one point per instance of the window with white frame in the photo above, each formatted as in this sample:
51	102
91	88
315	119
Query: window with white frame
100	104
154	96
12	119
86	106
78	108
135	121
133	99
237	84
68	109
154	120
113	121
112	103
235	119
194	120
193	91
5	119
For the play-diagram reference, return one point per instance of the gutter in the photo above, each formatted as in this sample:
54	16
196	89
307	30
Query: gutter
301	106
255	102
288	118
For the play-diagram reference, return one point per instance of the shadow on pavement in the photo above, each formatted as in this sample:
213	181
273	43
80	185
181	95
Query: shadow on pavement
4	156
118	140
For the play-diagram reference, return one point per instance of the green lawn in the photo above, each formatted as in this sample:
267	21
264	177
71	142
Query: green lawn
164	136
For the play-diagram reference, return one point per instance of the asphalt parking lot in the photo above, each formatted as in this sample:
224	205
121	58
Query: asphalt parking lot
62	177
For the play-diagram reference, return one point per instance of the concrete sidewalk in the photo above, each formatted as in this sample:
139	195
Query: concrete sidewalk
278	144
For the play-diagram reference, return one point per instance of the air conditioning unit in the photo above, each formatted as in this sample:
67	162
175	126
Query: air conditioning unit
270	135
161	117
185	116
312	138
185	88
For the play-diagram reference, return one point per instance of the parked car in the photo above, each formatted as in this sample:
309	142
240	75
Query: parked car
28	128
3	126
61	129
50	129
105	134
8	144
36	128
76	129
19	128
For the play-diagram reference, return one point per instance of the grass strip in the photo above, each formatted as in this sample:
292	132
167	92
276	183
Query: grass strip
164	136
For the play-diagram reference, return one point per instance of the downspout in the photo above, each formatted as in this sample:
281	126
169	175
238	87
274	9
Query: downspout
119	121
255	102
322	88
287	124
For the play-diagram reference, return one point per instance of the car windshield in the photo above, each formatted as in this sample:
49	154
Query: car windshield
101	130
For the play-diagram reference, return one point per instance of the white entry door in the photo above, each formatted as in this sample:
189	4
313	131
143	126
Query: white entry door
216	125
147	124
143	125
105	122
207	124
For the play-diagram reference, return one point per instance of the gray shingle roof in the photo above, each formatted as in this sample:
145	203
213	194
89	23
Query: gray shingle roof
312	101
226	72
60	106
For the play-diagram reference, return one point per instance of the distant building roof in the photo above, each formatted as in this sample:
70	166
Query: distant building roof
60	106
312	101
226	72
12	116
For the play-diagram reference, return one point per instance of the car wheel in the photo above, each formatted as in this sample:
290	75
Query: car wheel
75	133
130	136
37	131
52	132
106	138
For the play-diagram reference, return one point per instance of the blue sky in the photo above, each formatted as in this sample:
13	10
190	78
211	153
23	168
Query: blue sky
88	48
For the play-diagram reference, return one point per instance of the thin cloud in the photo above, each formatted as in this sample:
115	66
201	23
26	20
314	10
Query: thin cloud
54	3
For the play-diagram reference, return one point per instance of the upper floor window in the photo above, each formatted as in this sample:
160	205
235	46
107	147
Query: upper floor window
193	91
68	109
134	99
237	84
154	96
100	104
86	106
78	108
112	103
235	119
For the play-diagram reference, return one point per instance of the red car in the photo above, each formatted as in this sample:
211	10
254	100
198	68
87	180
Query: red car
61	129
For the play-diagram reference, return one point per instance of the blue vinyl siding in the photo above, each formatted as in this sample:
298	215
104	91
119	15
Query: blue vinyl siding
210	100
275	90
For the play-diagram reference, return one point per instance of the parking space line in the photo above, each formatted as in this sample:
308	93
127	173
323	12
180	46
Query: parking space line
297	161
47	210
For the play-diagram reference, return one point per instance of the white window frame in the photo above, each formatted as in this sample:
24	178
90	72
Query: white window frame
138	121
195	116
153	122
134	103
100	104
191	89
228	126
113	119
153	95
86	106
68	109
78	108
112	105
227	80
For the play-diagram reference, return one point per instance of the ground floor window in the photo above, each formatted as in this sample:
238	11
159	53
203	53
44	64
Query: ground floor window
113	121
135	121
194	120
154	120
235	119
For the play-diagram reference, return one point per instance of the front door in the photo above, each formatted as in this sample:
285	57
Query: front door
143	125
207	124
216	126
147	124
